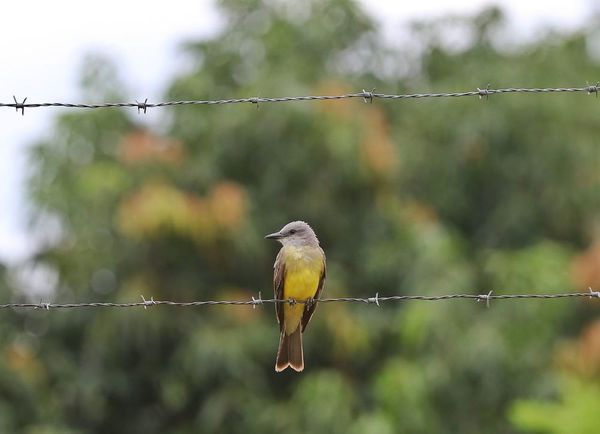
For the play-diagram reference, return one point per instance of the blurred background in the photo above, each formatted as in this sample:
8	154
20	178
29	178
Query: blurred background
429	197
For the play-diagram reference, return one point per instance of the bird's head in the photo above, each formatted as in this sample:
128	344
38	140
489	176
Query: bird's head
296	233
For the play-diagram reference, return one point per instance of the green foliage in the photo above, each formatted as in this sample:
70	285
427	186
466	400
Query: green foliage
576	412
420	197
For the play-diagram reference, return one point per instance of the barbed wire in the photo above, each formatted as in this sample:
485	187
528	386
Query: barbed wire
377	300
366	96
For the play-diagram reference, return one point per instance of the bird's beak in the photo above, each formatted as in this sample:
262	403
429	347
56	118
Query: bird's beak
274	236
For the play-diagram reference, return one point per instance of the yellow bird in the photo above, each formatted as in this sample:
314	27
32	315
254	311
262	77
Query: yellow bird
299	273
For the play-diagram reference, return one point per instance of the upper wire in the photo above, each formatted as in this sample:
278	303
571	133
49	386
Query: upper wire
377	300
366	96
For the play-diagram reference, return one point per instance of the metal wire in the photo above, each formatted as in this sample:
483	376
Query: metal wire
367	96
260	301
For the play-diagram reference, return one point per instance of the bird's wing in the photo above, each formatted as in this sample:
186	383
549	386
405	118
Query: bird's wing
278	281
311	308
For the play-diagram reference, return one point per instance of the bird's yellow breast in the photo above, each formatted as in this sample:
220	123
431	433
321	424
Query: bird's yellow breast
303	269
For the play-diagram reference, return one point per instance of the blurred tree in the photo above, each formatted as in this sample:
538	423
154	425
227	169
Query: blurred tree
578	390
576	414
432	197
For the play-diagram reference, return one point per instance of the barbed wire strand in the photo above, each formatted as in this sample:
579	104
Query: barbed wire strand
377	300
366	96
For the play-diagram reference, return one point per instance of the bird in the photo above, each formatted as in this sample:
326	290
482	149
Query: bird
298	275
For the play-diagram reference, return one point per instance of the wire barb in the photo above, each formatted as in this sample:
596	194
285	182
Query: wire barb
147	303
594	293
143	106
20	105
256	100
484	92
368	96
256	301
485	297
374	299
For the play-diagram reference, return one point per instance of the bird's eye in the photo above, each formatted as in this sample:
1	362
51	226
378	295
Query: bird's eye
292	231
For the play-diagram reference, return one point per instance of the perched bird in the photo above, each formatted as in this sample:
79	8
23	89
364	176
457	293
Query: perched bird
299	273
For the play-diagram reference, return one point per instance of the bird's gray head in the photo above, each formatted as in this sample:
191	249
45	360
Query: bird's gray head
296	234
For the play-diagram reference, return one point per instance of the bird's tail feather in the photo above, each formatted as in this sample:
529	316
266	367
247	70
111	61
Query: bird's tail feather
290	351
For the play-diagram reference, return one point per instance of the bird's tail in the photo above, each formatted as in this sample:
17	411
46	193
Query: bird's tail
290	351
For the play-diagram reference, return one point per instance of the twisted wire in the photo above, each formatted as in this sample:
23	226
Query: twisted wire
377	300
366	96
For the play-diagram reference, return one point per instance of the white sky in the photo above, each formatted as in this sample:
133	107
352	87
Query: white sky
42	45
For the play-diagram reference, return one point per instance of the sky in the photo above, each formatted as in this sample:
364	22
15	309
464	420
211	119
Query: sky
42	45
